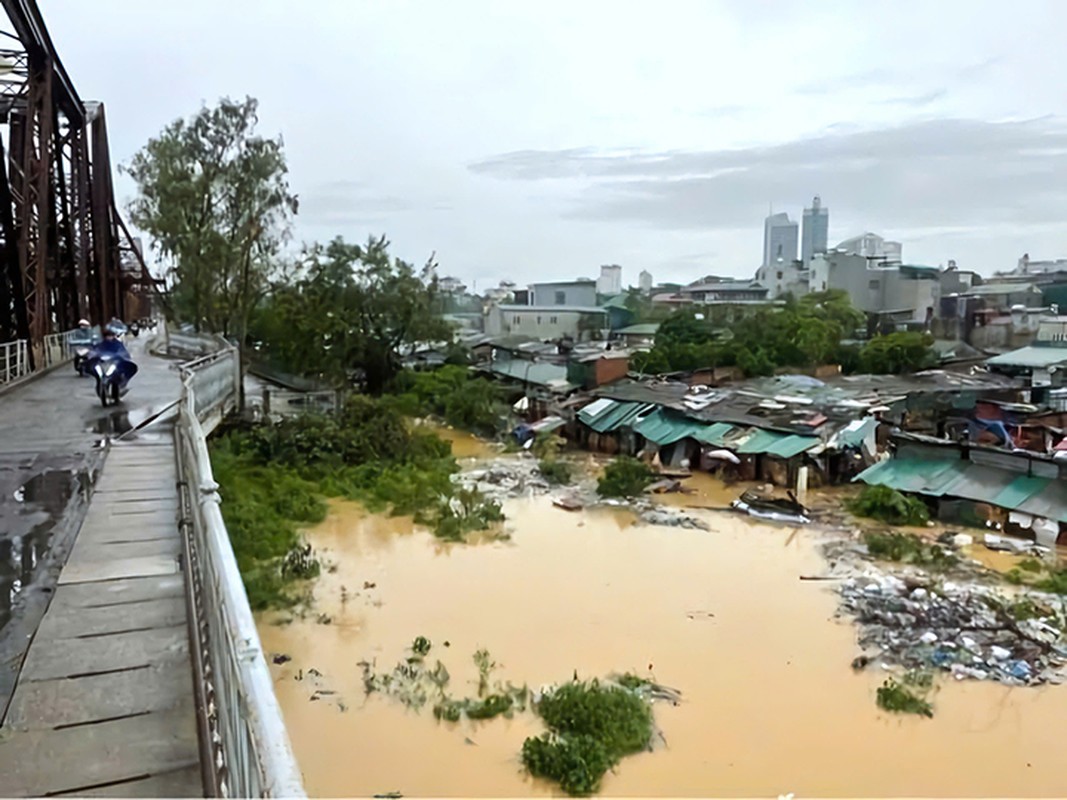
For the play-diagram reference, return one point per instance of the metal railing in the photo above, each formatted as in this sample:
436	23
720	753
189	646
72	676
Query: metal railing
15	356
14	361
243	736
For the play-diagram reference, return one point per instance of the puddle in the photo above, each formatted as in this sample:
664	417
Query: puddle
42	501
114	424
770	703
464	445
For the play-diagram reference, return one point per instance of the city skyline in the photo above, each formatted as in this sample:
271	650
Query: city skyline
549	140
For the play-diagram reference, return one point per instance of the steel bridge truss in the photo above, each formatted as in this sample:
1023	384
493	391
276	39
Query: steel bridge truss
65	252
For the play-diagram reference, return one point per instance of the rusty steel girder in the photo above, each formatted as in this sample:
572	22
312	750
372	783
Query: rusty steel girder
65	252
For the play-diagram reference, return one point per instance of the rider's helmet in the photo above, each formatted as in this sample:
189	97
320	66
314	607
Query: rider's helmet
83	323
110	332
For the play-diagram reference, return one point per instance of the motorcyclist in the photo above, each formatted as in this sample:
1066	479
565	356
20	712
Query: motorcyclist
81	341
110	347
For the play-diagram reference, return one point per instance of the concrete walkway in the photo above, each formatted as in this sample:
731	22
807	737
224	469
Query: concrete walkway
103	703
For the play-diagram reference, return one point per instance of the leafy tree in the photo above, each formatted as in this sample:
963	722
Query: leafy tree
897	353
352	308
214	197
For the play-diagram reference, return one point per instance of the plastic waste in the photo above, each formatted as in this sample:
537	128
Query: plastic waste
1019	669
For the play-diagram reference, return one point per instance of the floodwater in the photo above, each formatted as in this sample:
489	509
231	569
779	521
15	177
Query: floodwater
771	705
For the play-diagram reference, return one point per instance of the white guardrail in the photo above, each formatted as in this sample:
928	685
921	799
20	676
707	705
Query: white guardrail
15	356
247	748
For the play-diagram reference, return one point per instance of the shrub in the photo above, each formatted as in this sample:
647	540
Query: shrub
625	477
908	548
889	505
553	471
591	726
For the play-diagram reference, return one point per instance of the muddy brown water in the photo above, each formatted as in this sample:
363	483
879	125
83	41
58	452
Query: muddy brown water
770	703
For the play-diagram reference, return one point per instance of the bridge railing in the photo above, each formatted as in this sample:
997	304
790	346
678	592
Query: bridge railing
243	736
14	360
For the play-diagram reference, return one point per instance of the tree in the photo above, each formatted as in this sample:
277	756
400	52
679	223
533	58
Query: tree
351	309
214	197
897	353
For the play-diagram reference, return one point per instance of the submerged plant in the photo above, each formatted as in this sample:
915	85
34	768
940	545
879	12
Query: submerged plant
907	696
591	727
908	548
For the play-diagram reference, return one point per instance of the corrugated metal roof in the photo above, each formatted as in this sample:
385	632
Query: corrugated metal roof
606	415
1032	356
782	445
715	434
853	434
956	478
640	329
663	427
1018	491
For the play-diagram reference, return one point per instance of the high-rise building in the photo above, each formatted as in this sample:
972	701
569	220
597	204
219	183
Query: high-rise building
610	280
779	239
644	281
816	229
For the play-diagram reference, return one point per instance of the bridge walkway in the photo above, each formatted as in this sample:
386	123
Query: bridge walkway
104	703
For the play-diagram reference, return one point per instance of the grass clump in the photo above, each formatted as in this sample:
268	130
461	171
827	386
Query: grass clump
1030	564
555	472
907	548
1054	583
625	477
908	695
591	727
890	506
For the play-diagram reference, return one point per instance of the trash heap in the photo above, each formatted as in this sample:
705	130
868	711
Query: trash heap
968	630
504	478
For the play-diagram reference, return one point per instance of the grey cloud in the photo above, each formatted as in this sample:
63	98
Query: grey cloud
348	202
933	173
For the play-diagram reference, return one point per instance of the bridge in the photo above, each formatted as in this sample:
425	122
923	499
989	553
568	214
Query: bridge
129	659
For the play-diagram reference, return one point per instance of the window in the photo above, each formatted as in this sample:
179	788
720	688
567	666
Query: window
553	320
561	298
824	286
779	274
518	319
874	284
538	319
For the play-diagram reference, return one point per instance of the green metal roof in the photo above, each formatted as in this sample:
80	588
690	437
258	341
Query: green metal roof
1032	356
606	415
640	329
663	427
956	478
615	301
533	372
715	434
772	443
1018	491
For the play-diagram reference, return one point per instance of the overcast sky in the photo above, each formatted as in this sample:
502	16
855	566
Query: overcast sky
540	140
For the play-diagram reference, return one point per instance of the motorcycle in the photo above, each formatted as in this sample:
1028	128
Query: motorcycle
110	379
81	355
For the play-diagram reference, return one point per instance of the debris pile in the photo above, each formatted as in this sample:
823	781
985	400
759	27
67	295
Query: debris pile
968	630
505	478
658	515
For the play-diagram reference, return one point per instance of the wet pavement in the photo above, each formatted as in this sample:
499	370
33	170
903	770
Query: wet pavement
52	433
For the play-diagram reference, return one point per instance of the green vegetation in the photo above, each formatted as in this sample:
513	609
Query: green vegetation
450	393
1054	583
273	477
908	695
214	196
625	477
262	506
1027	608
908	548
897	353
889	505
555	472
803	333
1031	565
591	727
346	314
